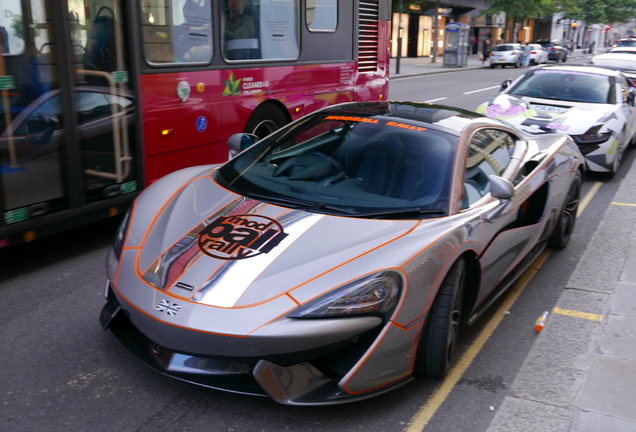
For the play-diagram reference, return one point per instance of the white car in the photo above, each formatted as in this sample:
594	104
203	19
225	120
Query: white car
506	54
620	60
594	105
538	55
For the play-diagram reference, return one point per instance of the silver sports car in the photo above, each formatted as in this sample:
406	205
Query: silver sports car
335	259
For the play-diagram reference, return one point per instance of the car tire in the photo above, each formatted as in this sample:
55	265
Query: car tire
439	337
518	63
492	66
567	219
565	57
265	119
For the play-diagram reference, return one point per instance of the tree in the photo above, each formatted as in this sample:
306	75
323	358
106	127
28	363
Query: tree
523	8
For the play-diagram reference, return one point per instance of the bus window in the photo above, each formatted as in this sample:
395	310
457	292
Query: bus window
12	28
322	15
265	29
177	31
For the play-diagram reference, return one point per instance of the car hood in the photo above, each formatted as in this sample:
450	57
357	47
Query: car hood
211	246
536	115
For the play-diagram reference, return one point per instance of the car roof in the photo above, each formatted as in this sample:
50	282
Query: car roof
624	62
582	68
629	49
451	118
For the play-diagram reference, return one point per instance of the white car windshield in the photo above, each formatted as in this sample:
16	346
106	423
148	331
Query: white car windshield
566	85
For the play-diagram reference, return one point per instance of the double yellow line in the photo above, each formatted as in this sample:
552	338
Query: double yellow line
426	413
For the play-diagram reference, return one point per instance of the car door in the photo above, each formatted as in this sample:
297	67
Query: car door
507	237
627	107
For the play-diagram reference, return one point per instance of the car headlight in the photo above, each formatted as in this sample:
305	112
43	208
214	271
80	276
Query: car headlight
591	138
375	294
120	235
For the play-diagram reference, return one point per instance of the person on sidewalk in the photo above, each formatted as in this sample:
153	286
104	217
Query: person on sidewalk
525	54
485	50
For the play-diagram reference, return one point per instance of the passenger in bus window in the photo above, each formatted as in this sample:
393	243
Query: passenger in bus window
194	41
240	30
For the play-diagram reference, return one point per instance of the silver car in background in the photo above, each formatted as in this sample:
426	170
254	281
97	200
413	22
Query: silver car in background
506	54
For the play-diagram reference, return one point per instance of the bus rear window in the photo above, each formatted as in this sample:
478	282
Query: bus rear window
177	31
261	29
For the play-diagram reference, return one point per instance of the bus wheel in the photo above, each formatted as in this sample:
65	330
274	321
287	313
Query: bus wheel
265	120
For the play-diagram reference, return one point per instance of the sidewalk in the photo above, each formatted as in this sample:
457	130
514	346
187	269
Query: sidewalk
413	66
580	374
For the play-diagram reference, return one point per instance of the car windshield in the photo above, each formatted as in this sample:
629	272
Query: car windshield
565	85
366	163
504	48
626	43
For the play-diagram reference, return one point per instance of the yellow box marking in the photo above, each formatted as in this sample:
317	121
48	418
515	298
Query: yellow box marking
577	314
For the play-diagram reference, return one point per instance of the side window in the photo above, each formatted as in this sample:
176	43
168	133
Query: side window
177	31
322	15
13	28
625	89
489	153
261	29
34	124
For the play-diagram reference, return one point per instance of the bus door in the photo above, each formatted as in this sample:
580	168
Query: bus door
67	119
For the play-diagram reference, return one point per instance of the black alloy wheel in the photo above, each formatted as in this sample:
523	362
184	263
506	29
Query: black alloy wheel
565	225
439	337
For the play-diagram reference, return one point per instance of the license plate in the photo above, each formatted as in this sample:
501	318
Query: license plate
501	60
550	108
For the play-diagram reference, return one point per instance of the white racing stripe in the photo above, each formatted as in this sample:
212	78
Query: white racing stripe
232	281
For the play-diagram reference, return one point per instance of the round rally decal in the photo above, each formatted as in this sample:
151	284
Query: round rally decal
241	236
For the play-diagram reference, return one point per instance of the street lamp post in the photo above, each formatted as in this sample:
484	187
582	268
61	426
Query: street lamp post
435	32
399	43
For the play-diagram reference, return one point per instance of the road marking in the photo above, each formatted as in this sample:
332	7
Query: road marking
623	204
426	413
481	90
435	100
585	201
577	314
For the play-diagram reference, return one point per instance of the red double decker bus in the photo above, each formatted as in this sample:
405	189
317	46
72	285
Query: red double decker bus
103	97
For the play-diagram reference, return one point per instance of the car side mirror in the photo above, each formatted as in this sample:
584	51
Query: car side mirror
52	123
502	189
239	142
505	84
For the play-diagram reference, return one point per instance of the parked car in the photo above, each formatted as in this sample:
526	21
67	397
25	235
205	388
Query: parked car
622	61
538	55
556	51
623	50
336	258
594	105
622	43
506	54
